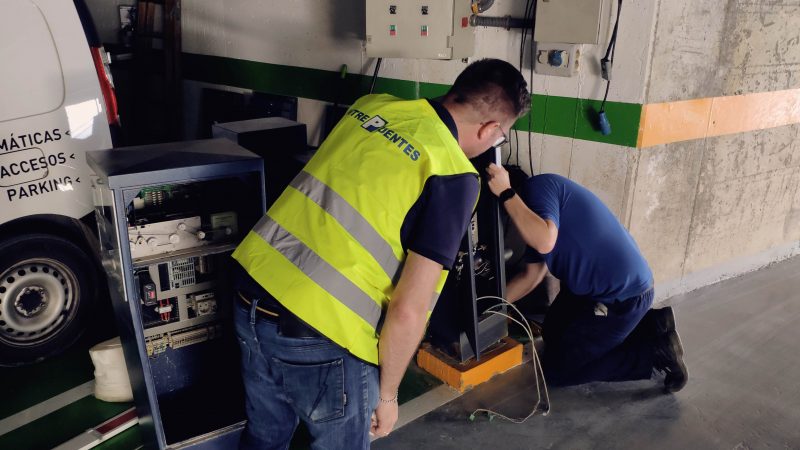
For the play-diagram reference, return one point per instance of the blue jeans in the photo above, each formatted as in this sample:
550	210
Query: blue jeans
582	346
310	379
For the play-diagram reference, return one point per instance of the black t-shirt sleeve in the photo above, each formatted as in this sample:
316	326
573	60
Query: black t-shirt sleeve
436	223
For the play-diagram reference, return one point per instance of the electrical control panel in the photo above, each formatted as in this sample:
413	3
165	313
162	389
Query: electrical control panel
425	29
152	231
180	290
169	217
180	236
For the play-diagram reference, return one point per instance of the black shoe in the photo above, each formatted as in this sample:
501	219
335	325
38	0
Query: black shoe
661	321
668	358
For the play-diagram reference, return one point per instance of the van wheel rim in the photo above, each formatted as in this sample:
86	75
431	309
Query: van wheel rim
38	297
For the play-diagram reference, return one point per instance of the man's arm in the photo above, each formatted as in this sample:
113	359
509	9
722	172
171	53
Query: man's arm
402	331
539	233
526	281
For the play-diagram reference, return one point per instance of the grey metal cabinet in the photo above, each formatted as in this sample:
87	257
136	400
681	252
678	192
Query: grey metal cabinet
169	217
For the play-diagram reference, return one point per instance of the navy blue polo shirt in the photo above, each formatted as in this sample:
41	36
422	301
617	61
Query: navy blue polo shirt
594	254
434	225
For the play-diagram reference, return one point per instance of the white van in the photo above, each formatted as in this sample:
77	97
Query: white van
56	102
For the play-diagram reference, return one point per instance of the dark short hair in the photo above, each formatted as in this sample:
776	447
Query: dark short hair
492	83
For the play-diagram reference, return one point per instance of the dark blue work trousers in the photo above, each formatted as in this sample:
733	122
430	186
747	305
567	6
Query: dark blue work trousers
583	345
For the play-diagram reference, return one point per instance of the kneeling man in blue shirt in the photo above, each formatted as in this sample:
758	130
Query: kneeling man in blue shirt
600	326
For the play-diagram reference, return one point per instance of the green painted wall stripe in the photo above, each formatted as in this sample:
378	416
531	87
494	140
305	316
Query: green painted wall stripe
558	116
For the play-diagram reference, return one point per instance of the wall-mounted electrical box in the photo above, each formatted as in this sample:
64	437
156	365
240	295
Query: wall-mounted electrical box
570	21
425	29
168	217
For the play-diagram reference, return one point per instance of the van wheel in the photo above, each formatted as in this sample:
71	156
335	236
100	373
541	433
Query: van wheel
47	285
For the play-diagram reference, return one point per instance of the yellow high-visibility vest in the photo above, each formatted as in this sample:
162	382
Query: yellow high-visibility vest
329	248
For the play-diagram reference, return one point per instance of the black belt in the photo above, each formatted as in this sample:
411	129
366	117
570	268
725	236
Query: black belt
288	324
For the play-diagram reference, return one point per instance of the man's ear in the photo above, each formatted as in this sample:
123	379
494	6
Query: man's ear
487	129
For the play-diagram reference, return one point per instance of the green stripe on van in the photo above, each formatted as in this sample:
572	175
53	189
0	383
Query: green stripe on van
558	116
30	385
62	425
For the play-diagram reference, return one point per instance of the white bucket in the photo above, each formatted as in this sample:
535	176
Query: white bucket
111	382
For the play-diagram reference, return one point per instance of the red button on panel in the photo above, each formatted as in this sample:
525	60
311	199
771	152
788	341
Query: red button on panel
464	22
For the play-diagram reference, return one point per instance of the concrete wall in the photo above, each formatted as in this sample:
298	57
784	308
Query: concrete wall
720	202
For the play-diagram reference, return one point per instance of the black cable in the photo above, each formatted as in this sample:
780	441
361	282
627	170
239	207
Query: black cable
605	97
530	122
612	42
510	147
521	60
607	62
375	75
530	112
530	8
522	41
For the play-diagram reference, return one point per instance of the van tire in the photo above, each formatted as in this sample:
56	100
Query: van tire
47	288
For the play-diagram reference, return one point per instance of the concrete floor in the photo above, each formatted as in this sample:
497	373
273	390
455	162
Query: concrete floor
741	339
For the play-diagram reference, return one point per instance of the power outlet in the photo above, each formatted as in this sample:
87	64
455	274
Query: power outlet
557	59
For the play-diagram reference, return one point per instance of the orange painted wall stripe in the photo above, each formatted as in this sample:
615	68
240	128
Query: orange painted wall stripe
663	123
754	112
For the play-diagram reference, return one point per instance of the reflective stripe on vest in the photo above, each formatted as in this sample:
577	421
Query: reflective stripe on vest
322	273
433	301
333	203
318	270
351	220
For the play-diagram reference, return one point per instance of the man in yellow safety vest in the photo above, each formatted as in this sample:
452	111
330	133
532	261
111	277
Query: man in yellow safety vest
343	270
